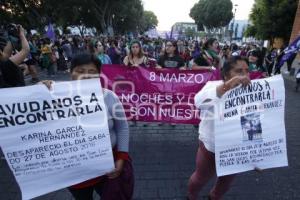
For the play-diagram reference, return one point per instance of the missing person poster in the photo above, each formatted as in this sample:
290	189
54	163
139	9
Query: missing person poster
55	139
250	129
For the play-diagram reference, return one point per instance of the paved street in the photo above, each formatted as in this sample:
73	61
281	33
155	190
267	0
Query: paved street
164	156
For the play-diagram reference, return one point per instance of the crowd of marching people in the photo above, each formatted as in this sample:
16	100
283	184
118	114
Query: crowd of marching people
53	56
206	54
85	55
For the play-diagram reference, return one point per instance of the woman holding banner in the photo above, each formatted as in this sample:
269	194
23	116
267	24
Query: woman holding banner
171	58
235	72
136	57
118	184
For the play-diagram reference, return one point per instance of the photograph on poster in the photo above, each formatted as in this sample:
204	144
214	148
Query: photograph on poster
251	126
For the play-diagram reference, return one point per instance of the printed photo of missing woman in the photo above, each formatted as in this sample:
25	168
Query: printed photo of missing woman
251	127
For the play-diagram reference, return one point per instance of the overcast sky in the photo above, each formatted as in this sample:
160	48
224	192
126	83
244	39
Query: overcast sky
169	12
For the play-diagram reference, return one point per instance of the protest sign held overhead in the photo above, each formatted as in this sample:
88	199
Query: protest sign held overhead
59	136
246	136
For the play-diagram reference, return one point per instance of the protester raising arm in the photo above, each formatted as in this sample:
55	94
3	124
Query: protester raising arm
232	83
20	56
235	73
10	73
136	56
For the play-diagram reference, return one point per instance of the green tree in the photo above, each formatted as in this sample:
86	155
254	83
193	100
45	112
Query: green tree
149	21
38	13
250	31
101	14
128	16
272	18
80	14
243	30
231	31
212	13
25	12
190	33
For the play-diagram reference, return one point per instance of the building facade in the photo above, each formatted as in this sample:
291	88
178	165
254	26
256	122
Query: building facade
184	26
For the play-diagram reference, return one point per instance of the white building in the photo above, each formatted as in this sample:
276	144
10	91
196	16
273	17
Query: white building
242	26
181	27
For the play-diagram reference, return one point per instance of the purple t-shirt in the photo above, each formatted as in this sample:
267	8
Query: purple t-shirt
114	57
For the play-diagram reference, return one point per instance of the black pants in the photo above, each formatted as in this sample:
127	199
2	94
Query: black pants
120	188
277	70
297	83
250	135
85	193
270	68
290	61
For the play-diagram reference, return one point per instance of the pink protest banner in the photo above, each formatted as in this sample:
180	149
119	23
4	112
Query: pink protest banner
154	95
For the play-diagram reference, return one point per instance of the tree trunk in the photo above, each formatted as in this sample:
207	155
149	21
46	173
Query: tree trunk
32	14
110	29
103	25
81	30
102	10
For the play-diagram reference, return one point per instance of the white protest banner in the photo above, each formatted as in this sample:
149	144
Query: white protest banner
250	129
55	139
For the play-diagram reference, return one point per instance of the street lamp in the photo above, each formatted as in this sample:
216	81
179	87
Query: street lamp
235	7
233	21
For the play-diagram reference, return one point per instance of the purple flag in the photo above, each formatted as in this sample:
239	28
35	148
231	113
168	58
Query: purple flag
290	50
50	32
167	36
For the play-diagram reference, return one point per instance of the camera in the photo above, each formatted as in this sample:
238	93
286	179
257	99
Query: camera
13	30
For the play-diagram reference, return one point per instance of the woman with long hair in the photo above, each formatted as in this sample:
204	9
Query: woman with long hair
171	57
136	56
256	60
99	50
211	52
